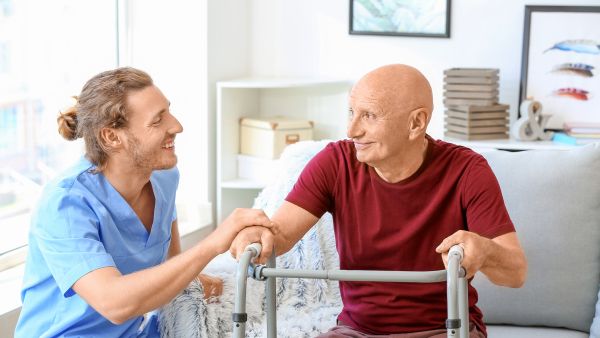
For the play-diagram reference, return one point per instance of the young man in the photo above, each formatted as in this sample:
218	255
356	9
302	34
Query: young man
399	201
103	231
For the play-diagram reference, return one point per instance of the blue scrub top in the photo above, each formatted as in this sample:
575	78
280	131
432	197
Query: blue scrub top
81	224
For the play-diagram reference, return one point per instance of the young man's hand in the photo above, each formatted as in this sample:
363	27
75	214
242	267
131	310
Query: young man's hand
222	237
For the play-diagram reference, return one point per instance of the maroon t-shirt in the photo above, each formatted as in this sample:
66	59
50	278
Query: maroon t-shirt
397	226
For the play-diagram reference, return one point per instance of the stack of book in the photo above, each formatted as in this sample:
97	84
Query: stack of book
576	133
472	108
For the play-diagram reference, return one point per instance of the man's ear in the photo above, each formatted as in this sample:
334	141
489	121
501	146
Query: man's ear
110	138
417	123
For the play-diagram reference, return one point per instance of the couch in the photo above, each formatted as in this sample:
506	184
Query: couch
553	198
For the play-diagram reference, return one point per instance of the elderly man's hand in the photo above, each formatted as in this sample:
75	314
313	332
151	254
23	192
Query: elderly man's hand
221	238
213	286
256	234
476	249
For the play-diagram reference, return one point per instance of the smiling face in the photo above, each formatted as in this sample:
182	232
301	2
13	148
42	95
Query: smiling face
377	132
149	138
389	112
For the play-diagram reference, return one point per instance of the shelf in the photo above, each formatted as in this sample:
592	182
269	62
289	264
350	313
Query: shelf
510	144
274	83
323	101
242	183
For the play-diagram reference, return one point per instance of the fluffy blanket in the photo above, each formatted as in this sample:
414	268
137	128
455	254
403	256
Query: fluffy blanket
305	307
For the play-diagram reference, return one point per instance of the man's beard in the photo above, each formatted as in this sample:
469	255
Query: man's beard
146	159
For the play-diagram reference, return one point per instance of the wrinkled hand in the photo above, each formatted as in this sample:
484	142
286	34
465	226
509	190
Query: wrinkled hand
475	247
213	287
250	235
239	219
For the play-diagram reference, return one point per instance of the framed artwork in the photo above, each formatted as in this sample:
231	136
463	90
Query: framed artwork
560	62
421	18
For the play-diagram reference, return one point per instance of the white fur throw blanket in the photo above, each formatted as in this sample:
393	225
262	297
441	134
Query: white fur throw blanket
305	307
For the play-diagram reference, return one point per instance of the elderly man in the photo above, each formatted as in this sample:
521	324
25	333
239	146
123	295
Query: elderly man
399	200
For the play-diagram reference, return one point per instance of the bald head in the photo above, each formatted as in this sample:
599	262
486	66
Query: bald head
390	109
396	87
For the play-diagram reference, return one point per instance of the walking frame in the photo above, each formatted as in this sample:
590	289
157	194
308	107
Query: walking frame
457	324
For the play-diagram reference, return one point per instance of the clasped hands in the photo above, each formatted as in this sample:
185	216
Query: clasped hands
242	227
255	234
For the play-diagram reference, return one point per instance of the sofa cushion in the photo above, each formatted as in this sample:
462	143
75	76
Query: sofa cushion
503	331
595	329
553	197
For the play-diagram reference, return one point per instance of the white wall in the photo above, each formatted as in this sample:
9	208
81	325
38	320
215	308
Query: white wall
310	38
187	47
170	43
228	58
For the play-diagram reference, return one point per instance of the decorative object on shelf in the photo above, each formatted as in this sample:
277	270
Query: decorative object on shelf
266	137
530	126
564	138
577	133
583	129
472	108
425	18
559	66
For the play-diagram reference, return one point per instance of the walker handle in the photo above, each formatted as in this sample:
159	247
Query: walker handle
255	248
457	250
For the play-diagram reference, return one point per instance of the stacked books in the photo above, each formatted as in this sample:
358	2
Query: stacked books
576	133
472	108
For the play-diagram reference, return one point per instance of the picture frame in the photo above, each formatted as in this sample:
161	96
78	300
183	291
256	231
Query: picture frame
560	63
416	18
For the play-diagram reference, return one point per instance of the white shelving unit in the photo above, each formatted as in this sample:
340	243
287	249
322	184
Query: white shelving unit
323	101
509	144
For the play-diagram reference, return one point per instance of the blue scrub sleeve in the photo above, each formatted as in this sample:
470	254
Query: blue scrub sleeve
66	230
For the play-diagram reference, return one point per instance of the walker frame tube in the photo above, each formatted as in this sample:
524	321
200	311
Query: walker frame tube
457	324
240	316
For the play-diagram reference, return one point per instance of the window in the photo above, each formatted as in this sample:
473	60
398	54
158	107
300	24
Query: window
48	49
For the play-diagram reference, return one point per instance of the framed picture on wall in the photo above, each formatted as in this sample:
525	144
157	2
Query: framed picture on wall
561	61
421	18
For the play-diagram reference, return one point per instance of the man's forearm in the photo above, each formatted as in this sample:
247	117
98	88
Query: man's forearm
132	295
282	243
170	278
291	222
505	265
288	225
